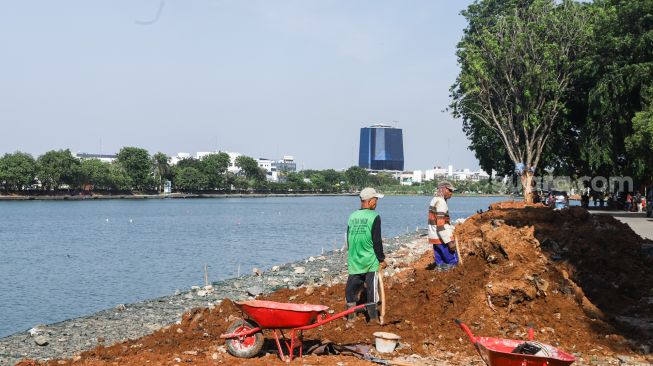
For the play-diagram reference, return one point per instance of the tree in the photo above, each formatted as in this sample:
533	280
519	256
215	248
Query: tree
57	167
516	61
618	71
119	179
17	170
250	167
639	145
214	167
357	177
161	167
95	173
137	165
190	179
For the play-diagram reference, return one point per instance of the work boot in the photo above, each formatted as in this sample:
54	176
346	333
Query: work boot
350	305
372	312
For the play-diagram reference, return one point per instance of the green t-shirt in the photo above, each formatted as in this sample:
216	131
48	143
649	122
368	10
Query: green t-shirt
360	255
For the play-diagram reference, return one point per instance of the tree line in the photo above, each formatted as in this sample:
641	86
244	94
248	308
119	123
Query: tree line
134	170
562	87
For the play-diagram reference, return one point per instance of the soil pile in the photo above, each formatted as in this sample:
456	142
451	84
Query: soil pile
580	279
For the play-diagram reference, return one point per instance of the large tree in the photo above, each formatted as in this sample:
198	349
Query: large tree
17	170
95	173
619	71
249	166
516	60
137	165
214	167
57	167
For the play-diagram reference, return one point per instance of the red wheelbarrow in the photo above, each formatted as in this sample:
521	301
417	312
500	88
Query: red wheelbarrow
510	352
244	337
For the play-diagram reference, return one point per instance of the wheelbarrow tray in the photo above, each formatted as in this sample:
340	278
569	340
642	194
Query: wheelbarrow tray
498	352
278	315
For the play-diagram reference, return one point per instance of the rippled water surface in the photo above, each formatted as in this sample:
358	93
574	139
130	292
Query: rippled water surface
60	260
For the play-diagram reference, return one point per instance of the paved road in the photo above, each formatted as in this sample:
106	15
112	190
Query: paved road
641	224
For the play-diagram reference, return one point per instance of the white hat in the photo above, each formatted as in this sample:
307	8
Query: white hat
369	193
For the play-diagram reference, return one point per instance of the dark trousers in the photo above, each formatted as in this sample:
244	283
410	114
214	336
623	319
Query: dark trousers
357	282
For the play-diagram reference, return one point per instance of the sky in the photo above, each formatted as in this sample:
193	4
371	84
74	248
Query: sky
263	78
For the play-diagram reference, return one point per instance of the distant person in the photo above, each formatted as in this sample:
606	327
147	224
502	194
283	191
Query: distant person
441	230
364	253
629	202
638	201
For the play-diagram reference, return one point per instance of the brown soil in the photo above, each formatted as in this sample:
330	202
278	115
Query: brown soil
567	272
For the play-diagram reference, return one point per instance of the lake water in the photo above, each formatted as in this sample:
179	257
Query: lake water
64	259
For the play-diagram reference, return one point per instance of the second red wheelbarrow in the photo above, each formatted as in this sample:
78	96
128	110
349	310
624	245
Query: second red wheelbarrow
511	352
244	337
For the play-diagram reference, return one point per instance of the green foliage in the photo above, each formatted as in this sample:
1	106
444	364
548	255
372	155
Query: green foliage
250	168
137	165
214	166
517	60
17	170
57	167
96	173
161	168
616	77
357	177
119	179
190	179
639	144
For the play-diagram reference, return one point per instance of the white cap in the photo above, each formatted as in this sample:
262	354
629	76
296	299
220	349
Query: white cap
369	193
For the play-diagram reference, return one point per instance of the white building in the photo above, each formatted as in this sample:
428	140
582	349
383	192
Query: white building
232	162
268	165
105	158
180	156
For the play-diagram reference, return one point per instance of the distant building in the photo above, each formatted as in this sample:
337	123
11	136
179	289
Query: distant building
107	158
287	164
381	148
232	162
180	156
271	173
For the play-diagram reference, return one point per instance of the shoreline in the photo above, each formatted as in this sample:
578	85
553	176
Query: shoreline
207	196
131	321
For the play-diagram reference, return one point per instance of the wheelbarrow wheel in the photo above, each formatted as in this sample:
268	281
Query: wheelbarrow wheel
244	347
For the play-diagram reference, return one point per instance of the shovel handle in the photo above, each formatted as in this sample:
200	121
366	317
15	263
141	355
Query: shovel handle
466	329
531	332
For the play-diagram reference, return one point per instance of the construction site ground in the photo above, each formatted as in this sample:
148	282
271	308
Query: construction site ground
582	280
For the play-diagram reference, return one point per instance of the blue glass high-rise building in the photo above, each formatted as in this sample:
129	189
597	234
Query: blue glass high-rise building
381	148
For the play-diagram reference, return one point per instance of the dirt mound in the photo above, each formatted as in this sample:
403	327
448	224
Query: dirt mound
576	277
514	204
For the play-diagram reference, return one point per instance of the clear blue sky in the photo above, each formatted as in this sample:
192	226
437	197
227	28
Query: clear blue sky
264	78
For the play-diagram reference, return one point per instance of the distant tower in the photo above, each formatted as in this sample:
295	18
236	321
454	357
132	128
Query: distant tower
381	148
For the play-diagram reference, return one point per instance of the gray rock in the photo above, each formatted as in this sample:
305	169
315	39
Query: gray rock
41	341
255	290
300	270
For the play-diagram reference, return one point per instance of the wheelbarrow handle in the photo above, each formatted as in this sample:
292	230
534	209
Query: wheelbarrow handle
531	332
466	329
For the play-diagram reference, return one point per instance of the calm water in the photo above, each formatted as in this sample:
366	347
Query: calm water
60	260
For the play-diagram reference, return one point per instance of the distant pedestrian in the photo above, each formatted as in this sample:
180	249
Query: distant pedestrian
364	253
629	201
441	230
638	201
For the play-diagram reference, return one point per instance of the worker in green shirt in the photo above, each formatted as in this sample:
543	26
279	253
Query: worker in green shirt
364	252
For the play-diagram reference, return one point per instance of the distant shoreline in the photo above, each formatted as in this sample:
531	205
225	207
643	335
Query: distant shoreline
67	197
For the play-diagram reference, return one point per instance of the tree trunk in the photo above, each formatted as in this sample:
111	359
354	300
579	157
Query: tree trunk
527	186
